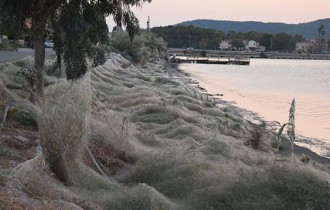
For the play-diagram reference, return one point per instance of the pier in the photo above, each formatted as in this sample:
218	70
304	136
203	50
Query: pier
211	60
241	54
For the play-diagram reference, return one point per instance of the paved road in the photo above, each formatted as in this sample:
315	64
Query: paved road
21	53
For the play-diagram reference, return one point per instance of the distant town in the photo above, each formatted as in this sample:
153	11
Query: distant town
192	37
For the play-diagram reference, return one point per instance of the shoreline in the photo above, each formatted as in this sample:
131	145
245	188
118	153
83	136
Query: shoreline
258	55
160	142
285	151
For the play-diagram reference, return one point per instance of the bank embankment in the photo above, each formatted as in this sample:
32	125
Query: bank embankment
152	141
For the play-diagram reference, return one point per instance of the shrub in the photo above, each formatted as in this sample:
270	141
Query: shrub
144	48
257	135
305	159
5	45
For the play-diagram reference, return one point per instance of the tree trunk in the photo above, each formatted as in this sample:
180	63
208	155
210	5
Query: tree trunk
39	61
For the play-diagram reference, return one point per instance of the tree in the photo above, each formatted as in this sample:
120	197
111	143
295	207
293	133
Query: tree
237	44
230	35
284	42
298	38
202	43
267	40
180	36
254	35
13	14
321	31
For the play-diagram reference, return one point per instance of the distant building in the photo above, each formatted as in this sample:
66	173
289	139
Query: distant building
312	46
249	45
225	45
253	46
262	48
304	46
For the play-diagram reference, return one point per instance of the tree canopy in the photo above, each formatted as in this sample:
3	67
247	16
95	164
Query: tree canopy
79	29
189	36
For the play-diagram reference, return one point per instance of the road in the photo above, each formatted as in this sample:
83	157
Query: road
21	53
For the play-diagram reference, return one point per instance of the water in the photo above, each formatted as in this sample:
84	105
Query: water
267	87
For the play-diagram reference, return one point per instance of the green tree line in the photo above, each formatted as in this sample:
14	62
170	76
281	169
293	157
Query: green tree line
189	36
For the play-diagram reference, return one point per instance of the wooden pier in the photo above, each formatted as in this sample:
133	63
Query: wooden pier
211	60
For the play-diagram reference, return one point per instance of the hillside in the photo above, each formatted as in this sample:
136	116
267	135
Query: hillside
308	30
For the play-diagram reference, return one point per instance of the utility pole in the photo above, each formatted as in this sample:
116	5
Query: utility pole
148	25
195	42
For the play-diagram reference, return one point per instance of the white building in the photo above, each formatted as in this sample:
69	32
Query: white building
303	46
225	45
253	46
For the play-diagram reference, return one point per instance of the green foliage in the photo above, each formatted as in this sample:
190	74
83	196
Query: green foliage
267	40
80	28
275	188
190	36
284	42
12	16
77	35
237	44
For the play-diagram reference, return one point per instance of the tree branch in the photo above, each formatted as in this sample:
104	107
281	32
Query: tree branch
49	7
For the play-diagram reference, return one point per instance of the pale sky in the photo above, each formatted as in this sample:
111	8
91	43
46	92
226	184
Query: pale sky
169	12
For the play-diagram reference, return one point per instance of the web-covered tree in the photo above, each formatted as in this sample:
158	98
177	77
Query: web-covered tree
79	29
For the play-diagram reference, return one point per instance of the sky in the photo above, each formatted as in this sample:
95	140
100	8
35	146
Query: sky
169	12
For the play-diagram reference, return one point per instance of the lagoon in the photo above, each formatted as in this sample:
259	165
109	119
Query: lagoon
267	87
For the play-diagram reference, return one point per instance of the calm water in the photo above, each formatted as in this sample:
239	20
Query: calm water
267	87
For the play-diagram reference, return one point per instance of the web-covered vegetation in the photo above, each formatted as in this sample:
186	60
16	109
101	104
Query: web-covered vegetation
140	137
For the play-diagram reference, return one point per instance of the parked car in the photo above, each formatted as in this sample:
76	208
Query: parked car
49	44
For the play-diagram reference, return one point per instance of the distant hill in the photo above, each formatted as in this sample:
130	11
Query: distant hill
307	30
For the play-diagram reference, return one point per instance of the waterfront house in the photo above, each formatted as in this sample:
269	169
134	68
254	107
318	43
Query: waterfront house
225	45
304	46
253	46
